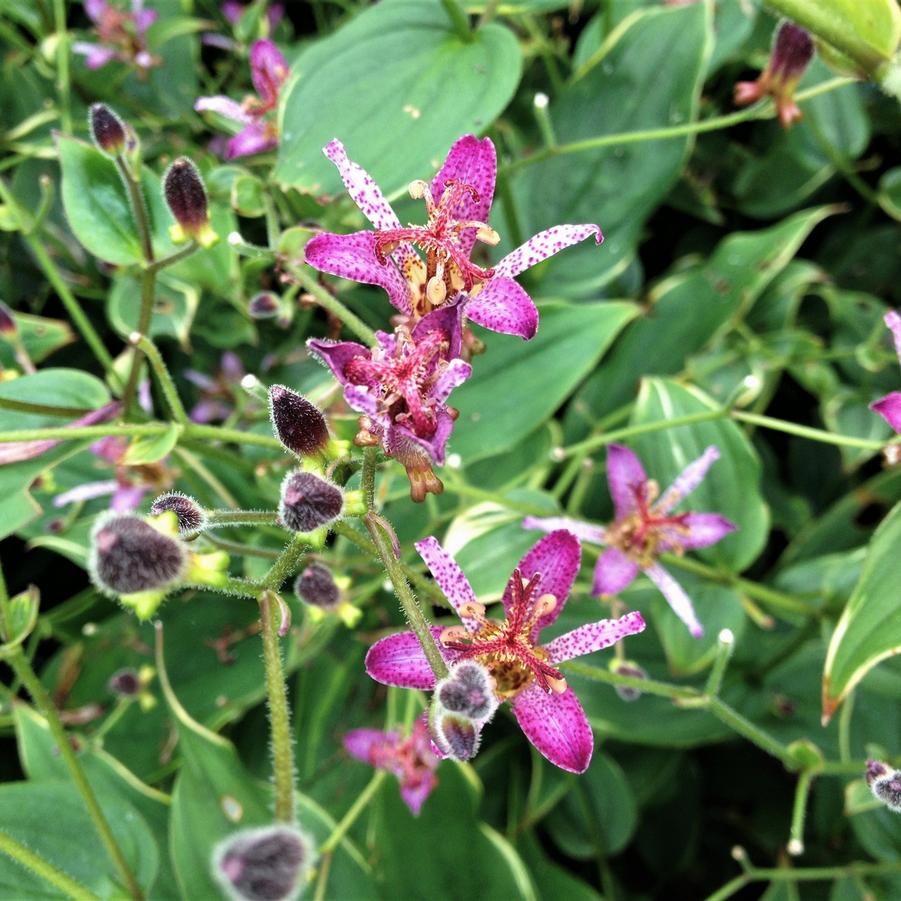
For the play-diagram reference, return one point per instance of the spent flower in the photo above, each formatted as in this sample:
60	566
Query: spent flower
524	669
121	35
645	527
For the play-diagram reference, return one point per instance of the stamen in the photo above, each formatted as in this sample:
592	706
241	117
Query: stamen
544	605
472	609
558	686
453	633
487	235
436	290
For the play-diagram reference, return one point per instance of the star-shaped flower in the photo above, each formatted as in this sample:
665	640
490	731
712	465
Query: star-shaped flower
121	35
524	670
889	407
458	203
645	527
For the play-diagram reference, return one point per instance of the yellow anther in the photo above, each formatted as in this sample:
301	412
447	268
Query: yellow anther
545	604
558	686
453	633
436	291
472	609
487	235
418	189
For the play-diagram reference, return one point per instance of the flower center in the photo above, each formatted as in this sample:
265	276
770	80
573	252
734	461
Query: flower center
640	534
508	649
448	269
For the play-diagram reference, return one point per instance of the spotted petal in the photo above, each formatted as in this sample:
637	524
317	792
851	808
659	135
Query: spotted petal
95	56
624	476
688	479
447	319
434	445
545	244
584	531
556	725
556	557
337	354
704	529
224	106
399	660
889	408
361	186
504	306
450	578
258	137
472	162
593	637
676	597
613	572
353	256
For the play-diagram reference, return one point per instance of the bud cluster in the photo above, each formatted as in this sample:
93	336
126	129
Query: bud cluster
462	704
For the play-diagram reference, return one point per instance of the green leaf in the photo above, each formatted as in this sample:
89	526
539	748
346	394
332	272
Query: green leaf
173	311
732	486
152	448
516	385
869	629
40	336
22	614
398	87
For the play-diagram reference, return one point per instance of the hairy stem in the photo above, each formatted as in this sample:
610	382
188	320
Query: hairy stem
333	305
43	868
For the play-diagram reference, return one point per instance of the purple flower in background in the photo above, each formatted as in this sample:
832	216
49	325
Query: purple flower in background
217	394
458	202
645	527
411	759
889	407
524	671
401	386
232	10
268	70
121	35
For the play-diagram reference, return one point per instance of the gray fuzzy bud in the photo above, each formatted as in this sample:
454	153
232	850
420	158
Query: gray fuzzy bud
298	424
316	586
191	516
468	691
308	501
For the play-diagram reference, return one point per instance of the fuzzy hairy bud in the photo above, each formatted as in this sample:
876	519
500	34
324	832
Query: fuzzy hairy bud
298	424
308	501
107	129
125	683
264	305
468	691
457	736
885	784
634	671
185	196
316	586
191	516
265	864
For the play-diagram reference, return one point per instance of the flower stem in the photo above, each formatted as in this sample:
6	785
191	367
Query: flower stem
802	793
158	365
279	717
139	210
286	563
7	403
754	734
62	64
173	258
148	293
43	868
459	19
803	431
241	518
350	817
333	305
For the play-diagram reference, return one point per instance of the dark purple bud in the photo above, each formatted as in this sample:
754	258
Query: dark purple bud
265	864
459	736
186	197
634	671
129	555
8	327
264	305
316	586
468	691
298	424
308	501
875	770
107	129
191	516
125	683
885	783
792	51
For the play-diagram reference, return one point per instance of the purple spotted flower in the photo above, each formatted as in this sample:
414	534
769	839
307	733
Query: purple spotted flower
411	759
268	71
121	35
645	527
401	386
524	670
458	202
889	407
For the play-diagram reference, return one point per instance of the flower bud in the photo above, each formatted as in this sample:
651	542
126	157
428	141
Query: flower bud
316	586
634	671
186	198
191	516
885	783
125	683
468	690
128	555
308	501
8	327
265	864
455	735
264	305
107	129
298	424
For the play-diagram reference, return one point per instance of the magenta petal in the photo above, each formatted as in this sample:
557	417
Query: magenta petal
592	637
415	792
893	321
361	743
556	725
613	572
224	106
95	9
337	354
434	445
625	475
450	578
86	492
889	408
268	70
144	18
453	376
448	319
471	162
688	479
704	529
503	306
353	256
584	531
257	137
399	660
545	244
366	194
676	597
95	56
556	557
128	497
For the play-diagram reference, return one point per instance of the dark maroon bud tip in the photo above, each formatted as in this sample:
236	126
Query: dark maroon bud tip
191	516
186	196
298	424
264	305
308	501
129	555
265	864
875	770
107	129
461	737
316	586
8	327
125	683
792	50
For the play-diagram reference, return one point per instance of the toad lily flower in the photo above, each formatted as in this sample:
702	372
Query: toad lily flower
411	759
121	34
401	386
268	70
524	670
645	528
458	202
889	407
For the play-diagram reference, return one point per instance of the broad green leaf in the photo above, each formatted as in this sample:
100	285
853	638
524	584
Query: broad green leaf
151	448
732	485
40	336
552	880
21	616
173	311
647	74
398	87
869	629
516	386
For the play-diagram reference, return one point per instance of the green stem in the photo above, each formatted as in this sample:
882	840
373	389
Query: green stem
139	210
236	436
148	294
333	305
802	793
241	518
754	734
803	431
44	869
351	816
367	476
237	549
724	648
459	19
7	403
279	717
167	385
646	686
62	64
286	563
173	258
